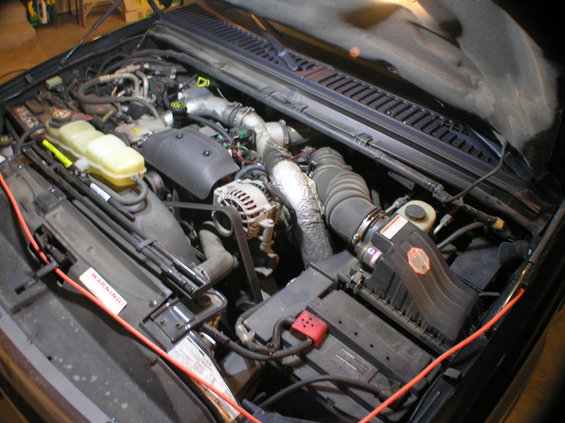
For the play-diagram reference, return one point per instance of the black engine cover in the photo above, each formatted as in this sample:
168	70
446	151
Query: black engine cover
189	158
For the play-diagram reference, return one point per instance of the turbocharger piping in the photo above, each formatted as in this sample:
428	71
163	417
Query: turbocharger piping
310	232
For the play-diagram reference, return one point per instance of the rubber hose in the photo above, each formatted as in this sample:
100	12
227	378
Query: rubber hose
245	170
344	193
459	233
20	142
127	201
219	262
89	99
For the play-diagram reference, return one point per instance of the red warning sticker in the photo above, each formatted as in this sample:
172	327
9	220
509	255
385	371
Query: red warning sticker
418	260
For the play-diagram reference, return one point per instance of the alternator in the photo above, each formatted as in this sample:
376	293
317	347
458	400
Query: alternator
253	204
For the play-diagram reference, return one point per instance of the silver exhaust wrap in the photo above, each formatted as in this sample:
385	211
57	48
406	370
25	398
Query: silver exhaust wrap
310	231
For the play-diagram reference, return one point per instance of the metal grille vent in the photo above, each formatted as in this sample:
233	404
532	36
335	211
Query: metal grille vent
403	111
195	19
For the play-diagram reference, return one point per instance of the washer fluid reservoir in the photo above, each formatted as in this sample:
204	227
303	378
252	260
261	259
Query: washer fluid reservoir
419	213
105	155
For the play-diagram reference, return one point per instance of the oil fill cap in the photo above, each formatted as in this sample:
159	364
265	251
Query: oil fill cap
178	107
60	117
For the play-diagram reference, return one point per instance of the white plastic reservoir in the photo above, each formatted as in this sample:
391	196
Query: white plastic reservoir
106	155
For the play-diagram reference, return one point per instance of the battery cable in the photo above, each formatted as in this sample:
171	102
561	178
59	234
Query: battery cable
163	354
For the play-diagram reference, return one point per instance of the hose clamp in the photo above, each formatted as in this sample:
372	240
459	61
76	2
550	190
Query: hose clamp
365	225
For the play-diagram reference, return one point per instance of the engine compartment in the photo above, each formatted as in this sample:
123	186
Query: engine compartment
282	256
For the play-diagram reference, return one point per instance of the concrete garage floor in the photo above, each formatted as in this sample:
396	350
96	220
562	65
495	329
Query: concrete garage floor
542	397
49	41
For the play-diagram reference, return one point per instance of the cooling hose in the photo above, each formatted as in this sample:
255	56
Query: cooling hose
219	262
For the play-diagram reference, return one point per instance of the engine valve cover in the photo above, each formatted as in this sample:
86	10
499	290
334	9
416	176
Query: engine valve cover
191	159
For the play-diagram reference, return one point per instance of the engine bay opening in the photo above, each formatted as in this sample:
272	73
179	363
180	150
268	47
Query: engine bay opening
230	229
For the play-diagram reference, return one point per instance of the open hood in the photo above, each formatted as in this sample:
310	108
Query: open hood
471	55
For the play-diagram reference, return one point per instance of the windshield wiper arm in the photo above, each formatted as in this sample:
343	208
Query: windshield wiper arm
280	50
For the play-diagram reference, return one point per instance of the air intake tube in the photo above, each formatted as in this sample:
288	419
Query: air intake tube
344	193
408	264
219	261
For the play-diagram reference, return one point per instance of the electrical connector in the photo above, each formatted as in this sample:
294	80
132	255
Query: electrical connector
308	326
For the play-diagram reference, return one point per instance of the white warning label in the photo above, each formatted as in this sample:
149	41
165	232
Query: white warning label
392	227
189	353
103	291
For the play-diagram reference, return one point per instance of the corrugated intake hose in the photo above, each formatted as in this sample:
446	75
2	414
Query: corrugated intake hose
310	232
344	193
219	262
442	300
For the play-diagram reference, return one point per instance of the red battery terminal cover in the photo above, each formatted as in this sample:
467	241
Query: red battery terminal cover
308	326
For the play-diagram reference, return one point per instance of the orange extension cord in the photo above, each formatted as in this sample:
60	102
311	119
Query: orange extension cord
152	346
442	357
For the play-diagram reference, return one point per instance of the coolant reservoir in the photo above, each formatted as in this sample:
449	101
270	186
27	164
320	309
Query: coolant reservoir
76	136
104	155
419	213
